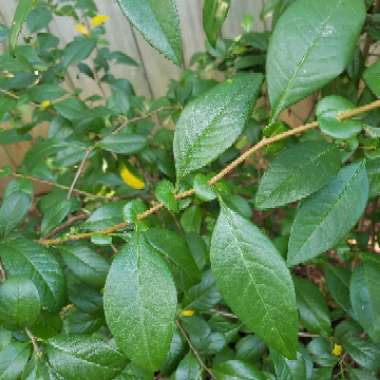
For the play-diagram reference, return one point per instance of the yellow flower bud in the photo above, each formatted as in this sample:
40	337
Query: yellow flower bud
337	350
187	313
45	104
82	29
131	179
98	20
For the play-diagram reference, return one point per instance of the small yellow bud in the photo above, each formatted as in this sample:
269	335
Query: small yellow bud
130	179
45	104
187	313
98	20
337	350
82	29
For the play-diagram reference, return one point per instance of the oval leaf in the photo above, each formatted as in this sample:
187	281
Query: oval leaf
328	215
323	35
242	254
297	172
214	14
13	360
82	357
212	122
140	304
158	22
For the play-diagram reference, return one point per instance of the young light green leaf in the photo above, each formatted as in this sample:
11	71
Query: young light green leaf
372	78
365	295
328	215
86	264
13	360
17	201
297	172
140	304
314	313
214	14
173	248
237	370
19	303
24	7
83	357
158	23
323	35
211	123
22	257
241	253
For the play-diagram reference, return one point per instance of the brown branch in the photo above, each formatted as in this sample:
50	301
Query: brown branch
33	339
223	173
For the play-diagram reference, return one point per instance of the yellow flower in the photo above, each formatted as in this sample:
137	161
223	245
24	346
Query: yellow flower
82	29
187	313
98	20
131	179
45	104
337	350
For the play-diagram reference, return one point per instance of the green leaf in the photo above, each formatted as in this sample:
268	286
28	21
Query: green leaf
242	254
47	91
320	349
39	18
173	248
361	374
24	7
78	50
314	313
237	370
19	303
188	369
365	295
327	111
373	168
297	172
13	359
22	257
86	264
212	122
82	357
158	23
328	215
214	14
36	369
55	215
123	143
372	78
289	369
131	372
17	201
140	304
323	37
106	216
202	189
250	348
338	284
165	193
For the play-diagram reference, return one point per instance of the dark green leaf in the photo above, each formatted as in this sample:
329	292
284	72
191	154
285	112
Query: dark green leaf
361	374
211	123
373	168
106	216
165	193
45	92
328	215
188	369
237	370
81	357
158	23
55	215
39	18
22	257
297	172
372	78
124	143
324	36
320	349
289	369
78	50
241	253
214	14
140	304
338	284
202	189
13	359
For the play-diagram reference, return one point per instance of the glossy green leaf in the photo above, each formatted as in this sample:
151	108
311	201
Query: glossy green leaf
289	369
140	304
250	348
19	303
338	284
88	265
323	36
237	370
13	359
83	357
123	143
372	78
158	23
297	172
24	7
173	248
188	369
241	253
365	295
22	257
328	215
17	200
211	123
214	14
314	313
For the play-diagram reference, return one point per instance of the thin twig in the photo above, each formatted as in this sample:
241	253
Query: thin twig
223	173
33	339
68	223
193	349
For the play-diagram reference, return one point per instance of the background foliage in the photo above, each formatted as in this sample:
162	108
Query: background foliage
155	255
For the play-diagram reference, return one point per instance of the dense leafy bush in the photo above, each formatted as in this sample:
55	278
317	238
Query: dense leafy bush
197	235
